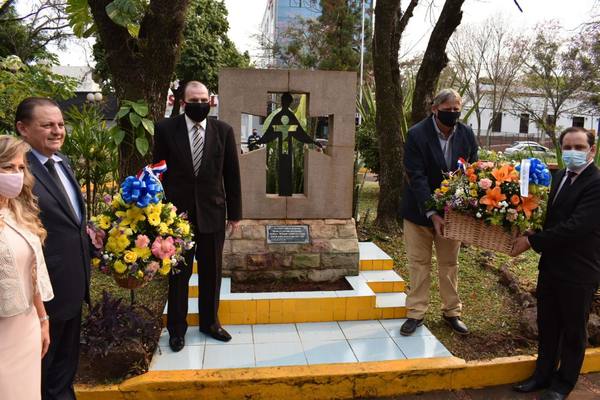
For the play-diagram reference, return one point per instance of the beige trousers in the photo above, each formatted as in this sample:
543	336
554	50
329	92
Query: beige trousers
418	241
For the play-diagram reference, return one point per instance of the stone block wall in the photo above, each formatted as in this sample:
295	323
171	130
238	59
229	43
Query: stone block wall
331	254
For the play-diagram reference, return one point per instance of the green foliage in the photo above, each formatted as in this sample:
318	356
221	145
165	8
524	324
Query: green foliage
132	114
16	39
80	18
18	81
330	42
92	147
366	135
206	48
125	13
128	14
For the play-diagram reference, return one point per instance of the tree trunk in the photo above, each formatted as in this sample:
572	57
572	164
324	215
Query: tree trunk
141	67
435	59
389	24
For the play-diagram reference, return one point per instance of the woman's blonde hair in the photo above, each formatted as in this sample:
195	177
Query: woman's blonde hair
24	206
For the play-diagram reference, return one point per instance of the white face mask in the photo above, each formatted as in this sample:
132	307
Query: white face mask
11	184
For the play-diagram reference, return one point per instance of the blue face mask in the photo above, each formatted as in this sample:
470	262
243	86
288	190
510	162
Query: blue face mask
574	159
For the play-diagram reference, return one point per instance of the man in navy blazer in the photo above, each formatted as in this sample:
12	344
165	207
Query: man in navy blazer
433	147
569	267
39	122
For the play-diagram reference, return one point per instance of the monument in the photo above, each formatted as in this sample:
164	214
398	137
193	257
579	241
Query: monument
307	236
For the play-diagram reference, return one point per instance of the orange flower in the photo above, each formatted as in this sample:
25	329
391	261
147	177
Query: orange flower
471	175
492	197
528	205
505	173
515	200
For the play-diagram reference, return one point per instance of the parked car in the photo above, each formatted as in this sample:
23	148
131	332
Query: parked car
528	148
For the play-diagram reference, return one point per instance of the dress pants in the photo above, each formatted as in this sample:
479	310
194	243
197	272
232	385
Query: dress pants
59	366
209	256
563	311
419	241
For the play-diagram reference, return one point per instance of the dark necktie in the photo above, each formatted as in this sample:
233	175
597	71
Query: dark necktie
566	185
50	165
198	148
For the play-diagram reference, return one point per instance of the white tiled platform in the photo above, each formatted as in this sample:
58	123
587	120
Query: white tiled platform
299	344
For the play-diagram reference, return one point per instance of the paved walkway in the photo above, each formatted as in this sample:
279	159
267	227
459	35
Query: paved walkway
588	388
266	345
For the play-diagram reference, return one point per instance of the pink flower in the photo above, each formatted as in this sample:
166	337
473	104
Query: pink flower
152	267
163	248
97	236
107	199
142	241
485	183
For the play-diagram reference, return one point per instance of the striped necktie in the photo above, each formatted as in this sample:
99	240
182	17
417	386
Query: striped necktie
198	147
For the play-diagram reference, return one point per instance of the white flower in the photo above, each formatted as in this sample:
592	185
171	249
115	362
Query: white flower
478	215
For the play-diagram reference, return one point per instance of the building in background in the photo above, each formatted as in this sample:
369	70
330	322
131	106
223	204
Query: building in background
512	124
282	14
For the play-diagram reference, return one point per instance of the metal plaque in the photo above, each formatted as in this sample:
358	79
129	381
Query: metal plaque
287	234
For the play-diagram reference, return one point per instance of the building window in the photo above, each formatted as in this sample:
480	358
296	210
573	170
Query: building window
524	123
578	122
497	122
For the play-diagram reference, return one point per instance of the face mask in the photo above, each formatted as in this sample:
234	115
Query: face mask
574	159
11	184
197	112
448	118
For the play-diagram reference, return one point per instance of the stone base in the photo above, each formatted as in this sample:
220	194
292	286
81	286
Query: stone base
331	254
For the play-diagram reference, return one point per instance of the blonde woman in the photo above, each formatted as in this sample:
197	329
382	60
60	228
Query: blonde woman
24	281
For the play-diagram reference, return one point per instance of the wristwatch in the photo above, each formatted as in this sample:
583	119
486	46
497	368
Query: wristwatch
45	318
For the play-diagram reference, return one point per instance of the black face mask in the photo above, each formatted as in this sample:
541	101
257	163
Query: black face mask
448	118
197	112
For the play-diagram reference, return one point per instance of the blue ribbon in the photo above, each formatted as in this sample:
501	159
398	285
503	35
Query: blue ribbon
539	174
143	189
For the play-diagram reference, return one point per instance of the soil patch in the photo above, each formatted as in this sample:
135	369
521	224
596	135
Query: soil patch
289	286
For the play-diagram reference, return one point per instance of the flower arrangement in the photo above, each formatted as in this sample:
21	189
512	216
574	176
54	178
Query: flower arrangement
496	193
139	235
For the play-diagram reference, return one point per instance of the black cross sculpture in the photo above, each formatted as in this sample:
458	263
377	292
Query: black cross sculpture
285	126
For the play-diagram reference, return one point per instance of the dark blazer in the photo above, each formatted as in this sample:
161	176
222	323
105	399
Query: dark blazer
570	240
215	194
424	165
67	246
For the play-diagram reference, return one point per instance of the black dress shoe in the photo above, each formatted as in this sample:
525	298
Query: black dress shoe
457	325
552	395
529	385
176	343
217	332
410	326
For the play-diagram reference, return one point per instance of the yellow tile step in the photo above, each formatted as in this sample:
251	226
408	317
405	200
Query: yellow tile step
385	281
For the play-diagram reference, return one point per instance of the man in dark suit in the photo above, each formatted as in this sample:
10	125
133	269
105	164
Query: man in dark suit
569	267
202	179
39	122
433	147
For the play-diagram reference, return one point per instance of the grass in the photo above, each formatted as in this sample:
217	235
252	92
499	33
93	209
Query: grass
489	309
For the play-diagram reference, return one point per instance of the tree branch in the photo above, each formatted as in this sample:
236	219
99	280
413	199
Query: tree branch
406	16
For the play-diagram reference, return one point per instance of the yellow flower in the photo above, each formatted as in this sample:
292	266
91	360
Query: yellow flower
184	227
95	262
139	274
154	209
473	193
131	216
166	267
444	189
119	267
163	228
130	257
154	219
142	253
117	201
103	222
